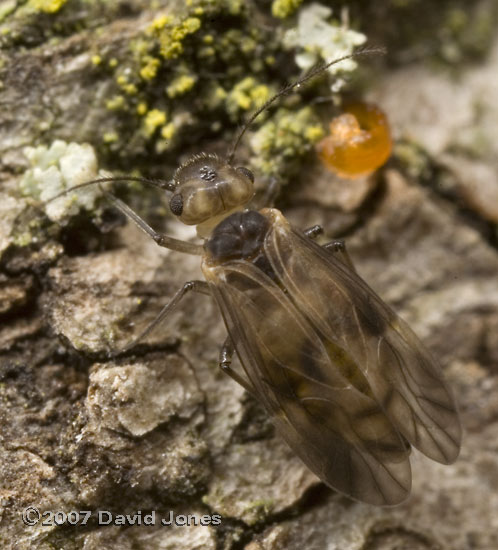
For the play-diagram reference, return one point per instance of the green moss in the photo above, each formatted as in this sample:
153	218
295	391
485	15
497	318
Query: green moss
284	8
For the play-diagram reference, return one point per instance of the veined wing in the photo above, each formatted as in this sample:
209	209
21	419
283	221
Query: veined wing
340	432
405	380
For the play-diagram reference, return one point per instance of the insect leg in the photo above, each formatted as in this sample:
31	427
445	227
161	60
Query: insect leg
159	238
196	286
313	232
338	248
226	354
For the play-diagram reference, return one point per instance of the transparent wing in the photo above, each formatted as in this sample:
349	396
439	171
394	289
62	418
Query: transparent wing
403	377
340	432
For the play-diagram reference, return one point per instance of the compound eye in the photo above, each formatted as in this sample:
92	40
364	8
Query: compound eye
245	172
176	204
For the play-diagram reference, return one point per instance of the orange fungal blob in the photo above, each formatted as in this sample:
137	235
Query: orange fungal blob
359	141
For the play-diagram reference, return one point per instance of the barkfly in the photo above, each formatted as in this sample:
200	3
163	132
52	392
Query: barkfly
346	382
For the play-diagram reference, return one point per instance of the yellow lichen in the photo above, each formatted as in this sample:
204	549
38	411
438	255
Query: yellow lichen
207	51
284	8
191	24
47	6
142	108
283	139
215	97
234	7
149	70
96	59
153	120
113	62
168	131
171	39
247	45
159	23
170	48
115	103
110	137
129	89
314	133
180	85
247	94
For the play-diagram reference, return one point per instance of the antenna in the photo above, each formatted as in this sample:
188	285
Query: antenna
289	87
161	184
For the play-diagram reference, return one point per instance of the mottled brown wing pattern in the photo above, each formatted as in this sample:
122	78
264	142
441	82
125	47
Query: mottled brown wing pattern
403	377
339	431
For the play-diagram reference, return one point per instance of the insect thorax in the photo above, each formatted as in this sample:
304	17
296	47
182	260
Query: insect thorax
239	236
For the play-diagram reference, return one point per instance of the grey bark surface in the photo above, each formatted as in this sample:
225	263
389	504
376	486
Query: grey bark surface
162	429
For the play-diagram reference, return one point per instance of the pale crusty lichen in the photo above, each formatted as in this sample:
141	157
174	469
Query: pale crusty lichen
318	39
57	168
